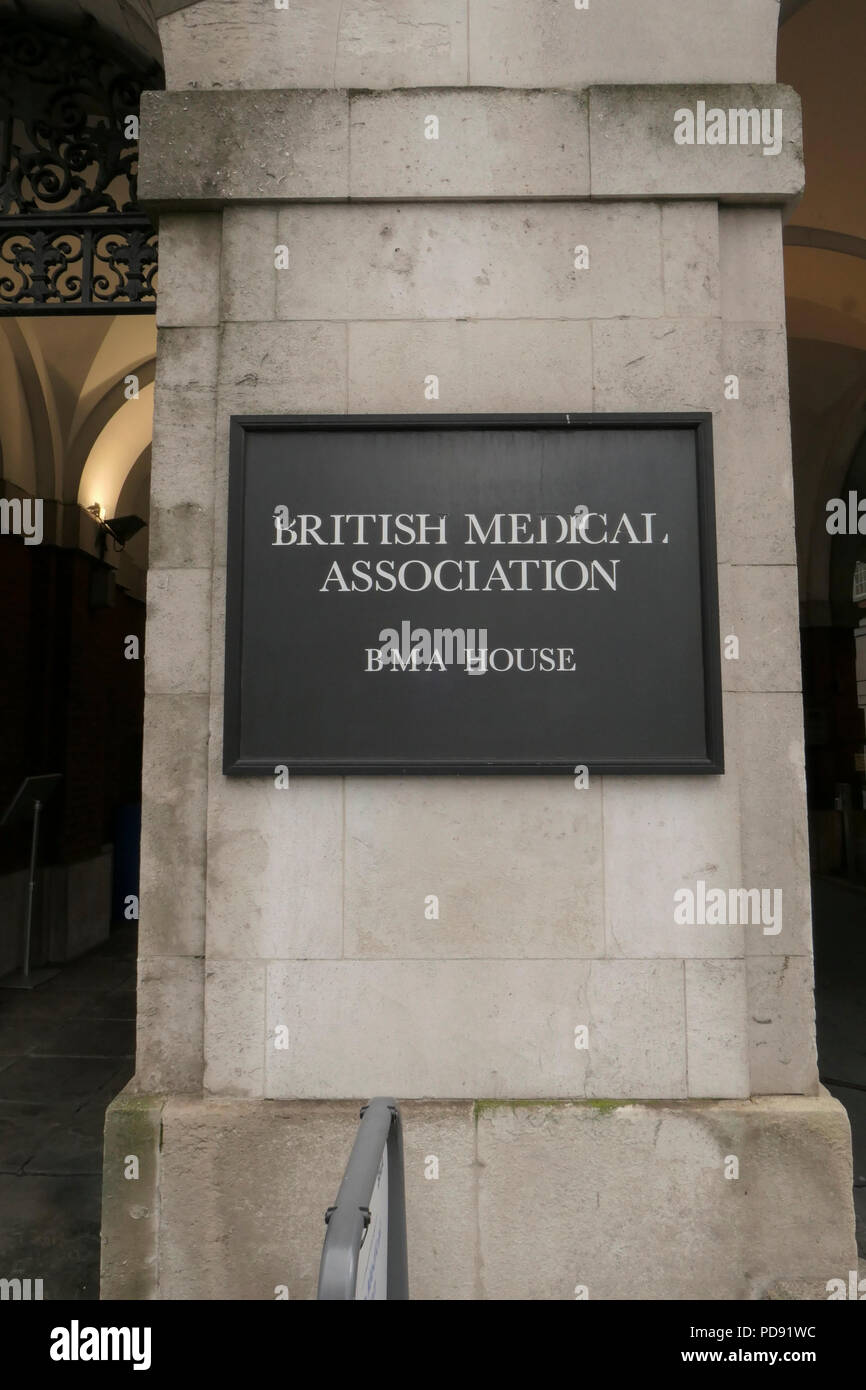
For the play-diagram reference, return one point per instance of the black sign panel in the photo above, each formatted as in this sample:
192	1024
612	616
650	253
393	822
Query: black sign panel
472	594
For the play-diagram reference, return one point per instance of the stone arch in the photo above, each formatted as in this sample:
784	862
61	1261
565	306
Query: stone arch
107	406
124	437
842	448
825	271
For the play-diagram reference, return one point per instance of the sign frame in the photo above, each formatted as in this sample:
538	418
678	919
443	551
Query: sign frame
698	422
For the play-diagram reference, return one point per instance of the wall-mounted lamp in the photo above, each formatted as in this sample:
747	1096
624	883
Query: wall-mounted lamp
120	528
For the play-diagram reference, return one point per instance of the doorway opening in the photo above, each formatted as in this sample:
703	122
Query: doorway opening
820	43
78	279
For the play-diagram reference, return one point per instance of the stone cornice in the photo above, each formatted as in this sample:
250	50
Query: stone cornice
202	150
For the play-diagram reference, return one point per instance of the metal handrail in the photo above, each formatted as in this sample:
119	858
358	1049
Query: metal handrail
364	1255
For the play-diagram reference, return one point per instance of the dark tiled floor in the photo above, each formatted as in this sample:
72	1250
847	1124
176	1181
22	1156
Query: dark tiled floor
839	912
66	1049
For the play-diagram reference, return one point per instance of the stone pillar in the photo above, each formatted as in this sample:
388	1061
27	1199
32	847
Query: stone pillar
607	1168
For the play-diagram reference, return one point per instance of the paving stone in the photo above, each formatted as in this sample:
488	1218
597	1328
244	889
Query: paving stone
51	1232
98	1037
55	1078
66	1049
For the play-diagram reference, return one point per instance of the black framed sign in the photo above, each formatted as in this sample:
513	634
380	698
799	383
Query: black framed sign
474	593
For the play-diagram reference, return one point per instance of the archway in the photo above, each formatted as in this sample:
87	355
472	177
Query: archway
78	280
820	44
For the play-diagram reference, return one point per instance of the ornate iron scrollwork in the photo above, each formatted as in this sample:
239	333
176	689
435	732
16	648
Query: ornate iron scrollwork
71	235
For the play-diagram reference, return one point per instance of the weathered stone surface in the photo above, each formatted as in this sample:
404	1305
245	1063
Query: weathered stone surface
757	355
173	835
212	147
288	902
646	364
782	1025
297	357
169	1053
633	152
248	274
187	358
274	369
643	1208
803	1290
461	840
621	1172
442	1240
766	745
316	43
181	523
754	484
755	488
750	264
482	366
470	1027
244	1192
256	1221
177	656
758	605
716	1029
189	269
404	43
544	44
503	261
206	149
217	663
488	144
690	247
130	1206
234	1027
662	835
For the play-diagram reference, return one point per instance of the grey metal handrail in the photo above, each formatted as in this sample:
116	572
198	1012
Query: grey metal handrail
364	1255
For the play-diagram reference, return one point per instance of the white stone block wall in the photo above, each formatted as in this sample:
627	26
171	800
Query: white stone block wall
556	905
629	1201
304	908
456	257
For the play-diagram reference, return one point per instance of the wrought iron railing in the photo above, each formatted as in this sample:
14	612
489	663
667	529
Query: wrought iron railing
98	264
72	237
